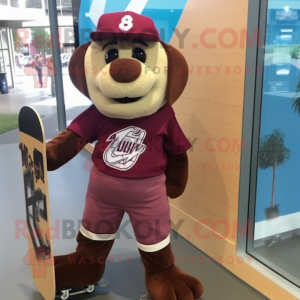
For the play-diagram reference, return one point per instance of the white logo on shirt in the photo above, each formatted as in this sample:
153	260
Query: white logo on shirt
125	147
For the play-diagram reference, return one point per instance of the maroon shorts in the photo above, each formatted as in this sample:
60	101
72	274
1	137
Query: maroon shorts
144	200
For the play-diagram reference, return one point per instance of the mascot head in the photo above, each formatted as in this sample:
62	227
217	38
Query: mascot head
126	70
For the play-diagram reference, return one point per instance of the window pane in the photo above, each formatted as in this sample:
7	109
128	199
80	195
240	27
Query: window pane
14	3
33	3
4	39
277	208
66	7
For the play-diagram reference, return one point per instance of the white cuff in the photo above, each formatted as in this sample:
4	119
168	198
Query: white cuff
155	247
95	236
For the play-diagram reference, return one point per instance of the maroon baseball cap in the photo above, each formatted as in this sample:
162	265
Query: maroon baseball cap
125	25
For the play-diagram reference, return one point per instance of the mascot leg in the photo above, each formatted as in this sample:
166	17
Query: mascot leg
149	212
101	219
165	281
83	267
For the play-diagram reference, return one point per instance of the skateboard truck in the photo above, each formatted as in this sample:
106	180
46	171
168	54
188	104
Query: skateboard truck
66	293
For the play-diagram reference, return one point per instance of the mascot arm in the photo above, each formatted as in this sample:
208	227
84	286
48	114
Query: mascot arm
176	175
63	148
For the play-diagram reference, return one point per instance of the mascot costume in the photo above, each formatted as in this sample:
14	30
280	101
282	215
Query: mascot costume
132	79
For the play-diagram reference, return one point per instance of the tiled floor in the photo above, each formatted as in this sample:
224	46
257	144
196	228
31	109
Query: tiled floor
67	193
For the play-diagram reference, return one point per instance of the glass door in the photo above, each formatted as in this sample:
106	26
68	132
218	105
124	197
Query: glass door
275	173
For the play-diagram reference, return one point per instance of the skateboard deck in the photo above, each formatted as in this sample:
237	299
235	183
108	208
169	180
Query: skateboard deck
40	255
34	168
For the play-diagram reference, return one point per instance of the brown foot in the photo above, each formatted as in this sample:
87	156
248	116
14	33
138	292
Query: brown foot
83	267
73	270
172	284
165	281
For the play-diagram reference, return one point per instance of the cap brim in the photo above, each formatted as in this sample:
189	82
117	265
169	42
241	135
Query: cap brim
100	36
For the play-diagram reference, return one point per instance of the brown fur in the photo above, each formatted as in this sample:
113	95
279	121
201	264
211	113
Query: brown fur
83	267
77	71
165	281
63	148
176	175
178	73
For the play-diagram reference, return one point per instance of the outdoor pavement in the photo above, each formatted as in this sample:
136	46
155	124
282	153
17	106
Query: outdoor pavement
25	93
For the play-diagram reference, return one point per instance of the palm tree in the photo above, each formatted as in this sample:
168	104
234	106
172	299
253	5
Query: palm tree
272	153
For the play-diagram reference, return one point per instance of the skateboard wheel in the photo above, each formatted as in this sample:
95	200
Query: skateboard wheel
90	288
65	294
103	282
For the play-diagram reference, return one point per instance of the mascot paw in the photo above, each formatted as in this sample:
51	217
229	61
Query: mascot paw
172	284
51	159
73	270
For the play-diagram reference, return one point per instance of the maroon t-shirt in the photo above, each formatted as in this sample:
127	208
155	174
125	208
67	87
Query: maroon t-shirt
135	148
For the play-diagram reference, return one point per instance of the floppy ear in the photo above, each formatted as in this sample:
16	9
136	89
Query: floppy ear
77	70
178	73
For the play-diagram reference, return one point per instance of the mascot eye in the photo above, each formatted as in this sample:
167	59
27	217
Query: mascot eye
139	54
111	55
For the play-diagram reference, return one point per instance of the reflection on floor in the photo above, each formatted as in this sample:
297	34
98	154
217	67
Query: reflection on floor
284	254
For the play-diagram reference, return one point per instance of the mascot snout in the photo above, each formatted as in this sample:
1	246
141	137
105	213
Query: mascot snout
125	70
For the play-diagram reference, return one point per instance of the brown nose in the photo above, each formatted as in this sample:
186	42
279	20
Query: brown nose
125	70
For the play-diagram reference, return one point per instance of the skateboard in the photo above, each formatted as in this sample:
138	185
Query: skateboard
40	247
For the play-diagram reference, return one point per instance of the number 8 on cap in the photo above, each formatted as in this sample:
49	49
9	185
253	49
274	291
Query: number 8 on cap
126	23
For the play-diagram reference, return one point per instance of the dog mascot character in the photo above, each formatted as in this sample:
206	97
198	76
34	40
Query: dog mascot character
132	78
